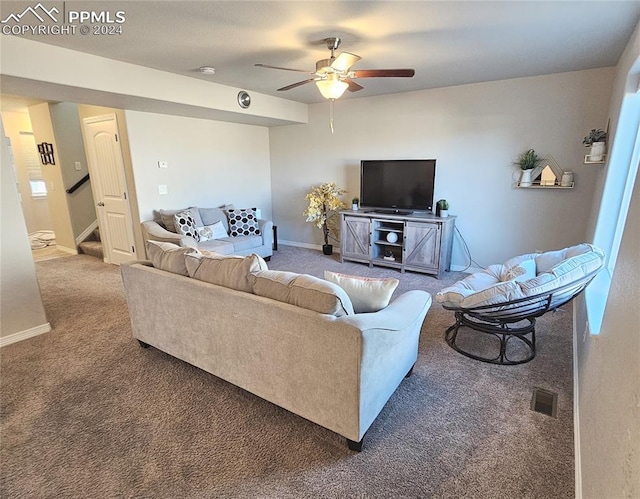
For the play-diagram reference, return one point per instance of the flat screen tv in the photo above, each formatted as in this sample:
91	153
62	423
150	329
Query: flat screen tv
397	185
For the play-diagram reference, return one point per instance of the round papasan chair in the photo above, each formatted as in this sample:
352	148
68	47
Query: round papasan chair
504	300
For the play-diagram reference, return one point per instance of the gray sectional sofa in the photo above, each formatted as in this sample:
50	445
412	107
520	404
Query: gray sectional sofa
162	229
291	339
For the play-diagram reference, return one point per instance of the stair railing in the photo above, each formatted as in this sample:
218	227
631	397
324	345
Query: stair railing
77	185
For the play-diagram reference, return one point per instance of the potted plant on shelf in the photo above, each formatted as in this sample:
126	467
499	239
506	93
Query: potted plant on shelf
596	140
527	161
442	208
354	204
324	201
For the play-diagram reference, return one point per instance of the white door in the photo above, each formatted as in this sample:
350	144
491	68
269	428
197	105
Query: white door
109	187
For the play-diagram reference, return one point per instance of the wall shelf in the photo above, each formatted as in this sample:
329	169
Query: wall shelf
589	161
538	186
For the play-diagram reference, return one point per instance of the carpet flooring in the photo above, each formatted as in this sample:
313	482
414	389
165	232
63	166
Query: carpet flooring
86	412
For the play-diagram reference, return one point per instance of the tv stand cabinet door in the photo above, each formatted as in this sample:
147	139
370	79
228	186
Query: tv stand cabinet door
356	238
422	246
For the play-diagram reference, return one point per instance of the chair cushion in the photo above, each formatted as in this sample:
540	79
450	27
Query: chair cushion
367	294
555	269
169	256
303	291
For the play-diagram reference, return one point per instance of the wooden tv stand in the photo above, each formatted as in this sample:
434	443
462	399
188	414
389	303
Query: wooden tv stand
423	244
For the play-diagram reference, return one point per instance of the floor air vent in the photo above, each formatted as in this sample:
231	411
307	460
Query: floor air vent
545	402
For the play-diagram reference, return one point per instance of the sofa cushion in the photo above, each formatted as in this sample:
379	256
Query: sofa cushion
169	256
230	271
210	216
243	222
242	243
220	246
367	294
303	291
186	225
166	217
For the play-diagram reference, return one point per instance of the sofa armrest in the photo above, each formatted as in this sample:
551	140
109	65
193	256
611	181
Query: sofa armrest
153	231
400	314
266	230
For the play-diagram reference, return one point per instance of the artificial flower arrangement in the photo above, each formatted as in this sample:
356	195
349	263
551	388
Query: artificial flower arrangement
324	201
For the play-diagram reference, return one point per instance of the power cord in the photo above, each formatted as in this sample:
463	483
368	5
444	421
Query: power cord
467	251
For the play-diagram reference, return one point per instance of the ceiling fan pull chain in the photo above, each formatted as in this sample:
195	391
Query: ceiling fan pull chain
331	114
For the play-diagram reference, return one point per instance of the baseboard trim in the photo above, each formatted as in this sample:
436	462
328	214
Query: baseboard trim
71	251
23	335
336	248
87	232
576	413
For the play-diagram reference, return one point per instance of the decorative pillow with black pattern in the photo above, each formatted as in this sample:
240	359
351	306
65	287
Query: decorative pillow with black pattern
186	224
243	222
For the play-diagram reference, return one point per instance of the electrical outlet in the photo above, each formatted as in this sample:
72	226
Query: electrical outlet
163	189
78	165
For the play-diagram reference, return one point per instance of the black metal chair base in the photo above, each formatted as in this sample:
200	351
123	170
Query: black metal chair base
505	332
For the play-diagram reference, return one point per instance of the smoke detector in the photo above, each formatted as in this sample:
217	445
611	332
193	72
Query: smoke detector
207	70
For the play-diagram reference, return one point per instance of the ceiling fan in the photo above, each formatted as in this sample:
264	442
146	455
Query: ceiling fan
334	75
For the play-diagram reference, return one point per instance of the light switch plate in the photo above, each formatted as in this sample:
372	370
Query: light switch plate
163	189
78	165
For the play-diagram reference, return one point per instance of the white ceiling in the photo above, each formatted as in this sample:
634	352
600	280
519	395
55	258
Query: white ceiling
447	42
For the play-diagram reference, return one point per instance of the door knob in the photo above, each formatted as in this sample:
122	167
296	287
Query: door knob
100	203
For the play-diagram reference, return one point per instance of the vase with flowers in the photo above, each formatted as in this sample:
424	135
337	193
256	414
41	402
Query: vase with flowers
596	140
324	202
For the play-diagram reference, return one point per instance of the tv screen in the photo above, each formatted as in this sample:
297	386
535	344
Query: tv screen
399	184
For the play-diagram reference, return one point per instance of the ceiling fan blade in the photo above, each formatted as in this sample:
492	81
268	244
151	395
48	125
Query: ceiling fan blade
294	85
353	86
286	69
375	73
344	61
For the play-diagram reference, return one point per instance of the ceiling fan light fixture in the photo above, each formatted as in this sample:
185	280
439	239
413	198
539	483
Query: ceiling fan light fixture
332	88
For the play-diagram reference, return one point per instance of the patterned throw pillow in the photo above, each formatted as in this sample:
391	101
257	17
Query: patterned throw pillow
243	222
186	225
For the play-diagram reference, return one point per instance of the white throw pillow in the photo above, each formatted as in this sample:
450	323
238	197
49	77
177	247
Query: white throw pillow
367	294
213	231
522	272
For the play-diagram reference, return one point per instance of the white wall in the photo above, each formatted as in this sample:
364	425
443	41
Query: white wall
35	210
56	196
475	132
66	125
210	163
21	311
608	365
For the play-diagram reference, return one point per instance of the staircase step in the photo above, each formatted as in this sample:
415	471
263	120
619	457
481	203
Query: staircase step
93	248
96	234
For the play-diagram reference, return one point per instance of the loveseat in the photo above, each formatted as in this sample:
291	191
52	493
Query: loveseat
292	339
163	228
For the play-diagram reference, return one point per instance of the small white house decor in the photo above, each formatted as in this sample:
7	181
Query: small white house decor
596	141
